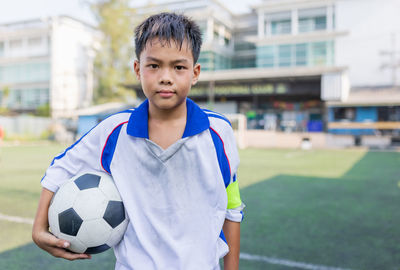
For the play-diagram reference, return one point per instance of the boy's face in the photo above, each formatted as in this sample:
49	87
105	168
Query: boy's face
166	74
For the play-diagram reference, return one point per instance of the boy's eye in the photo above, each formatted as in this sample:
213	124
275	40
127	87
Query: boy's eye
180	67
153	66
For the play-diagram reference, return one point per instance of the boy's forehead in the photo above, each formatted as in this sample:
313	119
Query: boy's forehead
168	43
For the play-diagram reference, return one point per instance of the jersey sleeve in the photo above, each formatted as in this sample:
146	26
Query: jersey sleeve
83	156
235	205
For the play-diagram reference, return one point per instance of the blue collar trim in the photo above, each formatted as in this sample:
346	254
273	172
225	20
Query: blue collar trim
196	121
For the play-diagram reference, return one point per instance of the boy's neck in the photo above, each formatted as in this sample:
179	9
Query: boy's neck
176	113
167	126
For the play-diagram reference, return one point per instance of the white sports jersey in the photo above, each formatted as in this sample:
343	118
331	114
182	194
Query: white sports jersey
176	199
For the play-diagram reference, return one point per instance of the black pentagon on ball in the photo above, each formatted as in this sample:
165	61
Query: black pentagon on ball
87	181
115	213
98	249
70	222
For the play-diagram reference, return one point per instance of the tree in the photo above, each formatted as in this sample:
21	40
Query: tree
5	95
113	62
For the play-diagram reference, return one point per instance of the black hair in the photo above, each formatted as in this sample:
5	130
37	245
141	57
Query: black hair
166	27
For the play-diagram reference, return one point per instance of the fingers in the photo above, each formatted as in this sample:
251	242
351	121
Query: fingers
57	247
50	240
62	253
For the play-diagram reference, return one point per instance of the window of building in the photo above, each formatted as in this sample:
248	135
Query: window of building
226	41
266	56
24	73
15	44
281	27
18	97
203	28
35	42
216	35
301	54
344	114
285	55
206	60
279	23
312	20
244	46
319	53
391	114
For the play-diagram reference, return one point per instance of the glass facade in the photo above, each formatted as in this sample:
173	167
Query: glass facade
284	55
244	55
280	55
203	28
301	54
213	61
312	24
266	56
312	20
278	23
25	73
281	27
28	98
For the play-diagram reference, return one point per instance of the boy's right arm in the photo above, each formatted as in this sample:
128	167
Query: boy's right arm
44	239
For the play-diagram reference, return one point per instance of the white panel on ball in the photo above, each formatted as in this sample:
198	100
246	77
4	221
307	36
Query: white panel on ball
66	196
90	204
117	233
108	187
53	221
94	232
76	245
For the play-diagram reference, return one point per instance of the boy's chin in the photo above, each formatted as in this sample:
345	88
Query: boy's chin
168	105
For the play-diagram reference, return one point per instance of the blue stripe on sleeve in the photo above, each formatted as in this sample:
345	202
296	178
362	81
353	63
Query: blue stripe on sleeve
222	236
109	148
73	145
222	158
66	150
217	115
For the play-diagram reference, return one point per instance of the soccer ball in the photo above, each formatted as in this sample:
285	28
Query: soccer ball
88	212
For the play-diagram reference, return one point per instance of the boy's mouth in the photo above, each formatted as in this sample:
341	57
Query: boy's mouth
166	93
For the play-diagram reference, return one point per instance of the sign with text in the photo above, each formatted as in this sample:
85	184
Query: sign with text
242	89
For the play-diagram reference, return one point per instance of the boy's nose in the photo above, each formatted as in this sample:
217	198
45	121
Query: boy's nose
166	78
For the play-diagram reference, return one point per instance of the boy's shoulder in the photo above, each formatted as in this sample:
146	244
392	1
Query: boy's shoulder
217	119
119	116
114	120
219	123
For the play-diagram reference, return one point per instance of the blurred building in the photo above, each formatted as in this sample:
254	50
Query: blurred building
289	64
46	62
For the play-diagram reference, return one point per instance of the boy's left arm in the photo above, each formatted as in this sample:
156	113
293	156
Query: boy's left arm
232	234
231	227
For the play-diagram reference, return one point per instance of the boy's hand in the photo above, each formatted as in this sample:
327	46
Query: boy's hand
44	239
56	247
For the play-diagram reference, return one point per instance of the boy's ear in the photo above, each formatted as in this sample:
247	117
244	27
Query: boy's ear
136	68
196	73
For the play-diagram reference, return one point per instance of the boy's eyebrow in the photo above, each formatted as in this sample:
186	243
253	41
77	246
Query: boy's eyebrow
182	60
149	58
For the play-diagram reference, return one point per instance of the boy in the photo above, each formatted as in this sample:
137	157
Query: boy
174	164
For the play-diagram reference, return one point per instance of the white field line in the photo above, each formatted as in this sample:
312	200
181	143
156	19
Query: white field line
243	256
16	219
301	265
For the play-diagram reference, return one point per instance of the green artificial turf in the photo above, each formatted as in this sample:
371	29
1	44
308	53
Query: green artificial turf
337	208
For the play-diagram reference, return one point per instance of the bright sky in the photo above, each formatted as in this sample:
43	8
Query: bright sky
15	10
